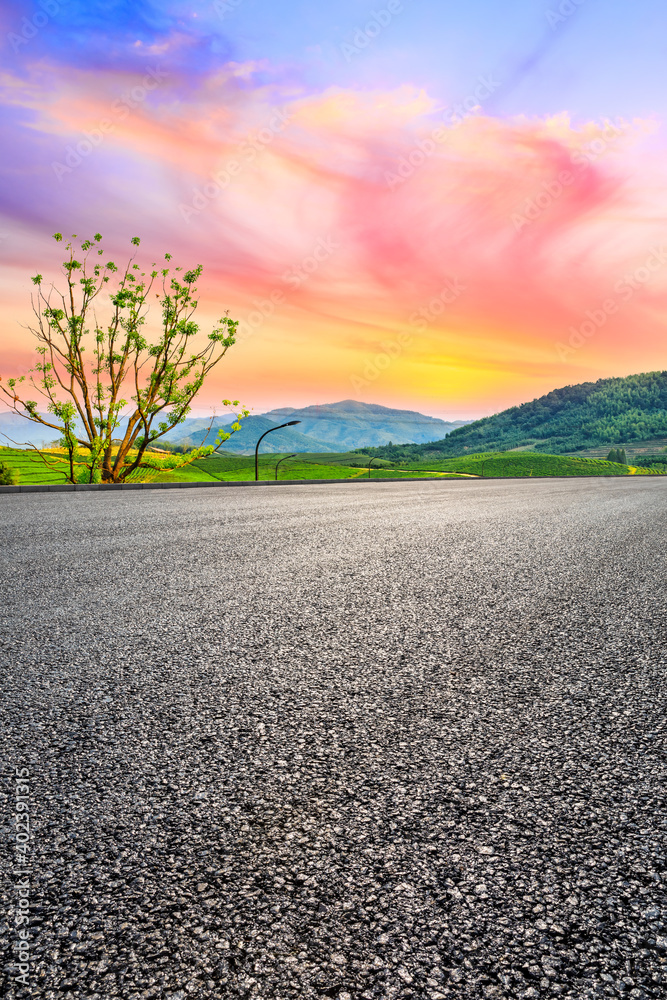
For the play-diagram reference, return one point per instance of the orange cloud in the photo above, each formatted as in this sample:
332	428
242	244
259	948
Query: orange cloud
333	224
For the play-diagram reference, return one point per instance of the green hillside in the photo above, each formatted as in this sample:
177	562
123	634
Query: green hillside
524	464
576	417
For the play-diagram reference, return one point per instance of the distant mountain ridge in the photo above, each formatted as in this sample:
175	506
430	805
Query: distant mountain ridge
344	423
192	433
327	427
16	431
569	419
573	418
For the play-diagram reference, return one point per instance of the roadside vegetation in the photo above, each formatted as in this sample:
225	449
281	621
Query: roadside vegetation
528	464
28	467
9	475
658	463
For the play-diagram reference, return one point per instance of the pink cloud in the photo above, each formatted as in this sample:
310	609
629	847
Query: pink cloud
535	221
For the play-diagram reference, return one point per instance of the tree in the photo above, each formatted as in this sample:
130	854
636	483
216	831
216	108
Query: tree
618	455
94	375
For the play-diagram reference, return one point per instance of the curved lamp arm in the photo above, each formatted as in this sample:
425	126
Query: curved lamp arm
283	459
290	423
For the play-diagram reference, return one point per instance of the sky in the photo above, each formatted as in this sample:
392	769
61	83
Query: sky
450	208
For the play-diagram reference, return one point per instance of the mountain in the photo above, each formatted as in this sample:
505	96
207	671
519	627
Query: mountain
576	417
16	431
331	427
349	424
192	432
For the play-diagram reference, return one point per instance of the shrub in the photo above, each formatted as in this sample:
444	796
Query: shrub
8	476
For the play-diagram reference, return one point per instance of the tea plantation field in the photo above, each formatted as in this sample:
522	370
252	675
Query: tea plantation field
514	464
33	469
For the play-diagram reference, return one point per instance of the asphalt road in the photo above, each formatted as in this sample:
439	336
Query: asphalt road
372	740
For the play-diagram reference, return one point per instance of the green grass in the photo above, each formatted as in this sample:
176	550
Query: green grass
222	463
188	474
346	458
513	464
32	470
241	468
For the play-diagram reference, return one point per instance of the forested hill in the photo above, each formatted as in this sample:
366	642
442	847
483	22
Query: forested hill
569	419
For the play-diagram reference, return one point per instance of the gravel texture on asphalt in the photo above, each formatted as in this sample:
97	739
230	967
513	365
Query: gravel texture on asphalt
399	740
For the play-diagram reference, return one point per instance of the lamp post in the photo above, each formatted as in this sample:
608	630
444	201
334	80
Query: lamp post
290	423
284	459
369	465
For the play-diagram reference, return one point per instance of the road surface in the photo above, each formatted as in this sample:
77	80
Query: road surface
370	740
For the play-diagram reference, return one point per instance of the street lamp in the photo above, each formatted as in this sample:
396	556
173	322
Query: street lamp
369	465
290	423
284	459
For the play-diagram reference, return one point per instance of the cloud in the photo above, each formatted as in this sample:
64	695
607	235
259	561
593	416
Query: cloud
113	34
246	176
